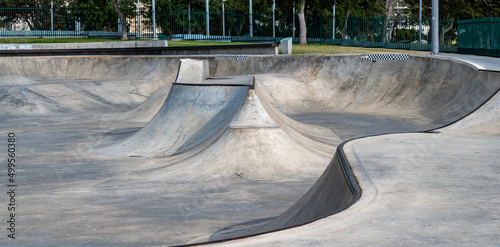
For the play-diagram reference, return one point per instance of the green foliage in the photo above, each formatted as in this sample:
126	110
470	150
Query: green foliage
100	14
31	3
449	9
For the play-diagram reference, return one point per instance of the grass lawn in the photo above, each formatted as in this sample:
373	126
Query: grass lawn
296	49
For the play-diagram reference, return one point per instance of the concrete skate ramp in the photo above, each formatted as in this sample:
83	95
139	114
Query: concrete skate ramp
423	186
100	68
56	85
262	170
191	116
486	120
433	90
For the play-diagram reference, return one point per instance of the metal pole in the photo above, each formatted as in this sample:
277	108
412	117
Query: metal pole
189	17
274	18
333	33
293	23
139	17
154	20
420	23
251	20
119	24
223	20
435	27
52	15
207	18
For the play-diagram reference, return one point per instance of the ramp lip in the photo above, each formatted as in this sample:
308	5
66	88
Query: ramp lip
248	81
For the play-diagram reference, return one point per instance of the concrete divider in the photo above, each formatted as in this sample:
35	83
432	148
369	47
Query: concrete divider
62	50
89	45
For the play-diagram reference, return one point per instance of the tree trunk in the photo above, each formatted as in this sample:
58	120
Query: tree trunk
123	21
346	21
302	23
388	14
445	27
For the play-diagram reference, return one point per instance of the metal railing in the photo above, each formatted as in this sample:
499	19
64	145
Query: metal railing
399	32
479	36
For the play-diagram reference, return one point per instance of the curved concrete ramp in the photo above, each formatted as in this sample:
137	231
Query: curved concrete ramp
262	172
418	189
334	191
192	116
429	90
486	120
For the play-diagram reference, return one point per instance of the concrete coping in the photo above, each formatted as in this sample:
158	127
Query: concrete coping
89	45
248	81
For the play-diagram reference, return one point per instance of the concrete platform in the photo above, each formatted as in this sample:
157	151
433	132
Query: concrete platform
89	45
133	48
274	165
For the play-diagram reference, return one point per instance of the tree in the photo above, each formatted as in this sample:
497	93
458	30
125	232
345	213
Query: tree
389	4
450	9
101	14
123	21
302	22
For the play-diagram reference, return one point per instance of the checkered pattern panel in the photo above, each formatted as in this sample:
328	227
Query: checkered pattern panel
231	58
386	57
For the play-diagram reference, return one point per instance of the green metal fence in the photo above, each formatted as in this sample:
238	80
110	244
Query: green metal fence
62	22
396	33
479	36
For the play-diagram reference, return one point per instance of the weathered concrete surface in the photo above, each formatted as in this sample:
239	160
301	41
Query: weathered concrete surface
191	117
260	166
51	46
418	189
226	50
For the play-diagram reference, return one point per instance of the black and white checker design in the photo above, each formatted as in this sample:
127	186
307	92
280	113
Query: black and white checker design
386	57
242	58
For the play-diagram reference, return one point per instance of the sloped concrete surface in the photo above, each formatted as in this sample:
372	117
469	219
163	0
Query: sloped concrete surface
275	164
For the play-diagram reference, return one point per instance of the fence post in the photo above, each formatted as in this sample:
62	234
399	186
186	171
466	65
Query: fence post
41	21
363	28
293	24
320	28
189	18
274	20
409	31
333	28
154	20
207	18
420	23
435	27
473	36
341	29
52	16
251	19
491	35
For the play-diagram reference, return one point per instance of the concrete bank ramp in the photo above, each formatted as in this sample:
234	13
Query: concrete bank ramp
58	85
198	111
431	90
260	170
191	116
451	92
485	120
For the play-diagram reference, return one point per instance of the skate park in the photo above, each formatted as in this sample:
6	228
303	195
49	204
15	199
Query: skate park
253	150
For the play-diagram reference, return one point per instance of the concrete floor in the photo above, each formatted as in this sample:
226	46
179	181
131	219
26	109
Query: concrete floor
417	188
